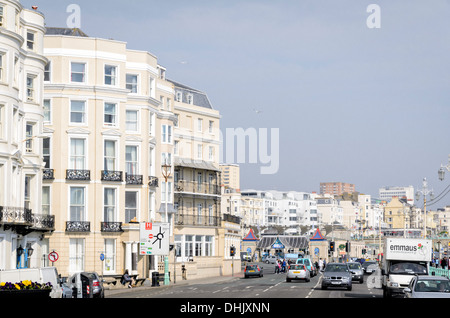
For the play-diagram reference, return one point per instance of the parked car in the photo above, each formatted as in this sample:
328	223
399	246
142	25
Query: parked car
428	287
357	271
297	271
81	282
270	259
253	270
337	275
366	265
67	292
309	265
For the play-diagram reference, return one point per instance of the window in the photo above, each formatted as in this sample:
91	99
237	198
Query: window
2	116
110	74
77	153
177	118
168	103
209	245
178	96
29	137
166	134
211	126
47	111
131	83
199	151
76	255
132	120
77	204
27	194
152	87
190	99
166	158
30	40
47	72
2	15
2	71
110	114
199	124
109	205
30	88
78	72
46	152
166	192
175	147
130	205
131	160
198	245
199	213
46	200
110	155
211	153
77	111
110	255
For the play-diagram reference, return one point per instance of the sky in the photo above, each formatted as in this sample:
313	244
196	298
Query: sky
357	93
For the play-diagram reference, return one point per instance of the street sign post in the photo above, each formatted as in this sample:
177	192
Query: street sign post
53	257
154	238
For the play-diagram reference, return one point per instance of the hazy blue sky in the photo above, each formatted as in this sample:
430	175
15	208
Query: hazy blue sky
368	106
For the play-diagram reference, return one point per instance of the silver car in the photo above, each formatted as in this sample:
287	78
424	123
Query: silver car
337	275
297	271
357	271
428	287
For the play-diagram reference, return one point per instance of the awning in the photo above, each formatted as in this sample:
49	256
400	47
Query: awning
170	208
196	164
289	242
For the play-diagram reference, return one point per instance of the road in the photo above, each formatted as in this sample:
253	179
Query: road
270	286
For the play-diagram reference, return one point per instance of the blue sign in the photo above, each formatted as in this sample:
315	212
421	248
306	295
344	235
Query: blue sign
316	251
102	257
278	244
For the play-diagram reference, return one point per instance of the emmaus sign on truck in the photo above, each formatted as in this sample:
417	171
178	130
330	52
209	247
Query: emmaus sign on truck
404	258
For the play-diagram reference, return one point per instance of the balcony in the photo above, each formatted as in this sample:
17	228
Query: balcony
136	179
111	227
196	220
23	221
78	226
152	181
78	175
48	174
111	175
197	188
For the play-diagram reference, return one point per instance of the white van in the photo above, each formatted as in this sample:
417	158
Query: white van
41	275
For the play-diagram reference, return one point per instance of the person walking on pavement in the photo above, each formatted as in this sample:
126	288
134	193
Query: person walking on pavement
320	264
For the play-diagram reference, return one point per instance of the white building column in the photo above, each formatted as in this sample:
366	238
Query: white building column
128	256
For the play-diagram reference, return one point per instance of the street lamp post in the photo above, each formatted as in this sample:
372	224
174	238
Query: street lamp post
441	171
166	169
425	191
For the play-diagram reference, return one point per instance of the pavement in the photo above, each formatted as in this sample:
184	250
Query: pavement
180	282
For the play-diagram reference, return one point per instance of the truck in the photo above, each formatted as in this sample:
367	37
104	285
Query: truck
41	275
403	258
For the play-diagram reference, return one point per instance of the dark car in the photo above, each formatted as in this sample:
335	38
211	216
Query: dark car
366	264
337	275
78	283
253	270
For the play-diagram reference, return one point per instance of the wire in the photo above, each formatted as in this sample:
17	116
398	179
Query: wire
437	199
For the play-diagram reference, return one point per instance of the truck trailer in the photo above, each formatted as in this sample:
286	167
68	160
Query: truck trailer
402	259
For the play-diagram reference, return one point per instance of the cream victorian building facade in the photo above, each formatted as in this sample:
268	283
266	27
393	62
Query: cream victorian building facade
109	126
23	215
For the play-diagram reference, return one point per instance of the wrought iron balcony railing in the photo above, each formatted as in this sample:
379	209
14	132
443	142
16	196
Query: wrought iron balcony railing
78	226
15	215
48	174
197	187
198	220
111	175
43	222
134	178
74	174
152	181
111	227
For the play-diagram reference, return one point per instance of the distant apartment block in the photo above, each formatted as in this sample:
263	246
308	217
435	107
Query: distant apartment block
336	188
387	193
230	176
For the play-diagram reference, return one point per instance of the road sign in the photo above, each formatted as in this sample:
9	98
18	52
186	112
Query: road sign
53	256
154	238
102	257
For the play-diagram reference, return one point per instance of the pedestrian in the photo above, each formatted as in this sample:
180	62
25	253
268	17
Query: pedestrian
126	279
277	268
320	264
324	263
283	266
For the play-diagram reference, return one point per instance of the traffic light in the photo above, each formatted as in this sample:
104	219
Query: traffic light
363	251
332	246
347	247
232	251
